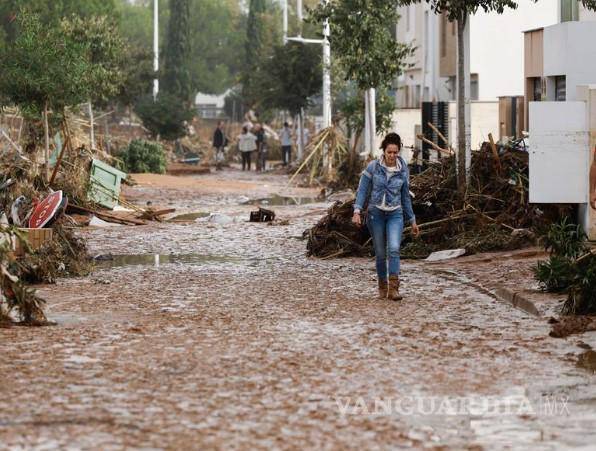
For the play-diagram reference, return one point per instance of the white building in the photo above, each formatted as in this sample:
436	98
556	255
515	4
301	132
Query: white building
210	106
560	79
496	60
496	49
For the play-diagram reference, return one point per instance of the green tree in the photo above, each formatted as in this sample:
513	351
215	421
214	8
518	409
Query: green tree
350	104
50	12
105	56
176	75
59	76
218	38
166	116
294	75
362	41
257	48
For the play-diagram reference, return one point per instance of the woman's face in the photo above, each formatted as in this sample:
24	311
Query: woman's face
391	152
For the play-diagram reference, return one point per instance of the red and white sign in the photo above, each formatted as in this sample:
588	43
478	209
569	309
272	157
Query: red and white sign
45	210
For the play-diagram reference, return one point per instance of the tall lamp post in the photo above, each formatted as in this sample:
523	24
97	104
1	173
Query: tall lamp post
326	64
155	48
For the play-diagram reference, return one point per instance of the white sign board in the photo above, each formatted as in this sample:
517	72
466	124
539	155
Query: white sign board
559	151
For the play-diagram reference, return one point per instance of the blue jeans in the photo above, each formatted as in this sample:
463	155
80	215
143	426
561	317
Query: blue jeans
386	228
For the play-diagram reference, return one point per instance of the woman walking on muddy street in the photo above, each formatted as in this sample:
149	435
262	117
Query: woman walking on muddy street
384	185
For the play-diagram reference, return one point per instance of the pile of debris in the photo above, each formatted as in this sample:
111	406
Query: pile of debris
43	197
336	236
494	213
326	152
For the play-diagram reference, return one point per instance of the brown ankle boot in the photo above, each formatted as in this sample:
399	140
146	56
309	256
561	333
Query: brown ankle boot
382	289
393	293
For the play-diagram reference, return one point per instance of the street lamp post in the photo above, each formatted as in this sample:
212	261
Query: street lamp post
326	62
155	48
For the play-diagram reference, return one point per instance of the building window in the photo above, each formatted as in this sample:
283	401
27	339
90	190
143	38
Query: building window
560	88
537	89
569	10
474	87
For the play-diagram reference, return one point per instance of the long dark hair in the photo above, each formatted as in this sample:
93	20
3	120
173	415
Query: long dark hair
391	138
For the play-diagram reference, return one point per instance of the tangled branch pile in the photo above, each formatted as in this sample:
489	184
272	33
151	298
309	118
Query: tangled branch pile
324	154
336	236
494	213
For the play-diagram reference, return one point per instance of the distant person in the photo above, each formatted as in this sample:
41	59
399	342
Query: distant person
261	146
286	144
219	143
593	181
384	185
247	144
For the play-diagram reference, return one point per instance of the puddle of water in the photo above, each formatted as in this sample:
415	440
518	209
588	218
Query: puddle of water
189	216
277	200
117	261
587	361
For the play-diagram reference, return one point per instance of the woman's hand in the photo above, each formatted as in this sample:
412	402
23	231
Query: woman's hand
415	230
356	219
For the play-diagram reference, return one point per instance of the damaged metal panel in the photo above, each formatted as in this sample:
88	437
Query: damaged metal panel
105	184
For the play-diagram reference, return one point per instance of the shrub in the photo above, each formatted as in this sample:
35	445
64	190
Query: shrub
571	267
144	156
556	274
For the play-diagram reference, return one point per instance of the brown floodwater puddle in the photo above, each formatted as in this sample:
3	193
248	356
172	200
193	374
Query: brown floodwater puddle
117	261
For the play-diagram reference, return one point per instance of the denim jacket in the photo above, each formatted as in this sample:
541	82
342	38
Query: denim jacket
374	184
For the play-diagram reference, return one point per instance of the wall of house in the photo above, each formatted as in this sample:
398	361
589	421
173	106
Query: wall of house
419	26
405	122
484	119
497	46
569	51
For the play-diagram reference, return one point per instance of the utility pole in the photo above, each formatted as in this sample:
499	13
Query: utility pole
326	76
155	48
326	57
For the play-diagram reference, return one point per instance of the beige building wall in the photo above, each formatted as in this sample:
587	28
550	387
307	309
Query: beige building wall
533	66
447	47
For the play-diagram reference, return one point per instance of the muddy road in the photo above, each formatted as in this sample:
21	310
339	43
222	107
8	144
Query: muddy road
220	334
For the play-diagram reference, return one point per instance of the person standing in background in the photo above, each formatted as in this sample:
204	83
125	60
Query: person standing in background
247	144
286	144
261	146
219	143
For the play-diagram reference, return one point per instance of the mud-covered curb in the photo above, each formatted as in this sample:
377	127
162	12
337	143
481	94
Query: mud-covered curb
501	294
517	300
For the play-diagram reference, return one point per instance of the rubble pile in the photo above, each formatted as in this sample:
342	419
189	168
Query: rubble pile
494	213
326	152
336	236
41	205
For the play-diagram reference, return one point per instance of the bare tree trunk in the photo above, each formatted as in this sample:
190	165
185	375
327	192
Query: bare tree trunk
461	112
46	153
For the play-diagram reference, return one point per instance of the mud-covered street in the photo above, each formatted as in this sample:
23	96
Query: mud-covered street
220	334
